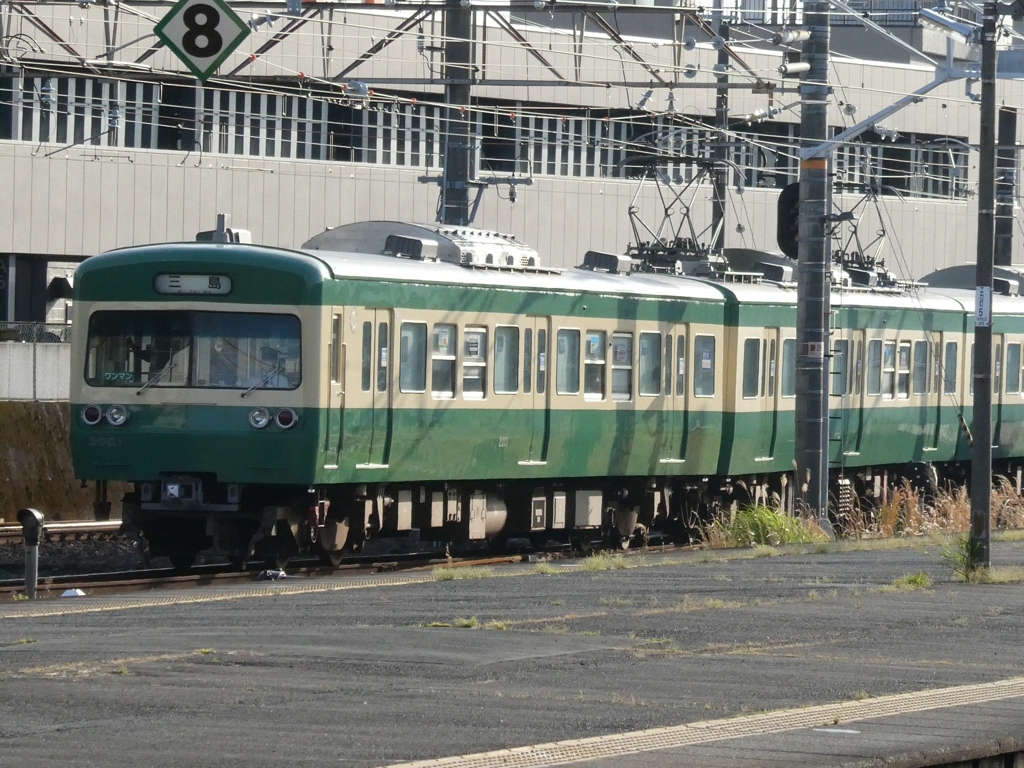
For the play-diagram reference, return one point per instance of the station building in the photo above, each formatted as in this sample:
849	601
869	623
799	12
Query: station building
329	113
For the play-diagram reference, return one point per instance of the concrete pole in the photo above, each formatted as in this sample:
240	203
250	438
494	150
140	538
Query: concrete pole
814	275
981	459
458	50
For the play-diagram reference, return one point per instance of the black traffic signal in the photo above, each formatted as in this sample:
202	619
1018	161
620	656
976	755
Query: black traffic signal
788	228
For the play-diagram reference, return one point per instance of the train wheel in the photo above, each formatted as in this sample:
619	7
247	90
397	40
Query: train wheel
182	561
331	540
333	559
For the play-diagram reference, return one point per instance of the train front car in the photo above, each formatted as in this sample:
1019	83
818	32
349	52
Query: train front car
190	380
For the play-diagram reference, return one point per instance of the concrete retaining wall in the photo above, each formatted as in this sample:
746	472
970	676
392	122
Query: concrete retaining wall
35	464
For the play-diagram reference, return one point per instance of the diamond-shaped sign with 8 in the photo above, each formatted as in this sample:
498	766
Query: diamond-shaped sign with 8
202	33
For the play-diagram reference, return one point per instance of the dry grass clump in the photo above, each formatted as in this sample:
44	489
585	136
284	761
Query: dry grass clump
949	512
908	513
456	574
604	561
908	582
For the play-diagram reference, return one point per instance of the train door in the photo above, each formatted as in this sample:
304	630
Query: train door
376	330
769	393
852	403
536	383
933	399
997	389
758	406
335	406
674	361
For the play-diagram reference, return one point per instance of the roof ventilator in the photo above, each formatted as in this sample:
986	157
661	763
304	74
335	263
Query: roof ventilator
410	248
612	263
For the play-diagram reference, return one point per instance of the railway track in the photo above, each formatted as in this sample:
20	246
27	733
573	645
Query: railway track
86	530
216	575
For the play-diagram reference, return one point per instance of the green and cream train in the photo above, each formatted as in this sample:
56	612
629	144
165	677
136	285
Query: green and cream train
390	378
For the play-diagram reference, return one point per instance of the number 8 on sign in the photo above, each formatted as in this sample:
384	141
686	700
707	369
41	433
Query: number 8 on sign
202	21
202	33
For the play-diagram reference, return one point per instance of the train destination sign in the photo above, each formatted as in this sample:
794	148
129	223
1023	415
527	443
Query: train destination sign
195	285
202	33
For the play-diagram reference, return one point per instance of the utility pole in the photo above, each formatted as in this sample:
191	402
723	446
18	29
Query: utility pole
720	175
981	454
458	75
814	274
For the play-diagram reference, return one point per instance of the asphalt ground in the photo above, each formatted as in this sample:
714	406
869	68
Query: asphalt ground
322	673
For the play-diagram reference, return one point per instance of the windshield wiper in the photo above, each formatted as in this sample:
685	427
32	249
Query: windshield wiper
266	377
154	379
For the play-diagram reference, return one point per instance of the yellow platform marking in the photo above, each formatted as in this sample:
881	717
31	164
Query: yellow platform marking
69	606
109	666
634	742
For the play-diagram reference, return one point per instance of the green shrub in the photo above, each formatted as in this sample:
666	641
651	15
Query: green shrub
764	526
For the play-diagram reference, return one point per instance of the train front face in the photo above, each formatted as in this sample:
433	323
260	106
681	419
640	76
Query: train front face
194	378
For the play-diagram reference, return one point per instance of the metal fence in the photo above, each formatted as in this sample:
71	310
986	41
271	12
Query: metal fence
35	361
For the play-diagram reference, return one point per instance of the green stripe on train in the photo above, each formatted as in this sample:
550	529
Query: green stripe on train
469	444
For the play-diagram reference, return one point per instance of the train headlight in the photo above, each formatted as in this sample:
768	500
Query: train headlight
259	417
286	418
117	415
92	414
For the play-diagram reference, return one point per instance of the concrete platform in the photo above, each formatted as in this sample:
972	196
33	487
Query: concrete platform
704	659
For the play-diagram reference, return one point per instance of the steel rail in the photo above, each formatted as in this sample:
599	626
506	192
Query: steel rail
66	531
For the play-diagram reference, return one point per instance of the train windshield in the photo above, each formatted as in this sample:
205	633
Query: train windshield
154	348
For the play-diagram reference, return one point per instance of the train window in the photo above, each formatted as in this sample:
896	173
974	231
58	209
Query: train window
528	360
1012	369
997	369
903	380
229	350
889	369
858	371
383	339
751	360
704	366
243	351
133	348
506	360
622	366
412	370
474	363
771	368
542	360
367	355
764	368
840	367
874	367
336	349
649	373
681	366
971	377
442	364
568	363
921	367
789	367
594	364
668	364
